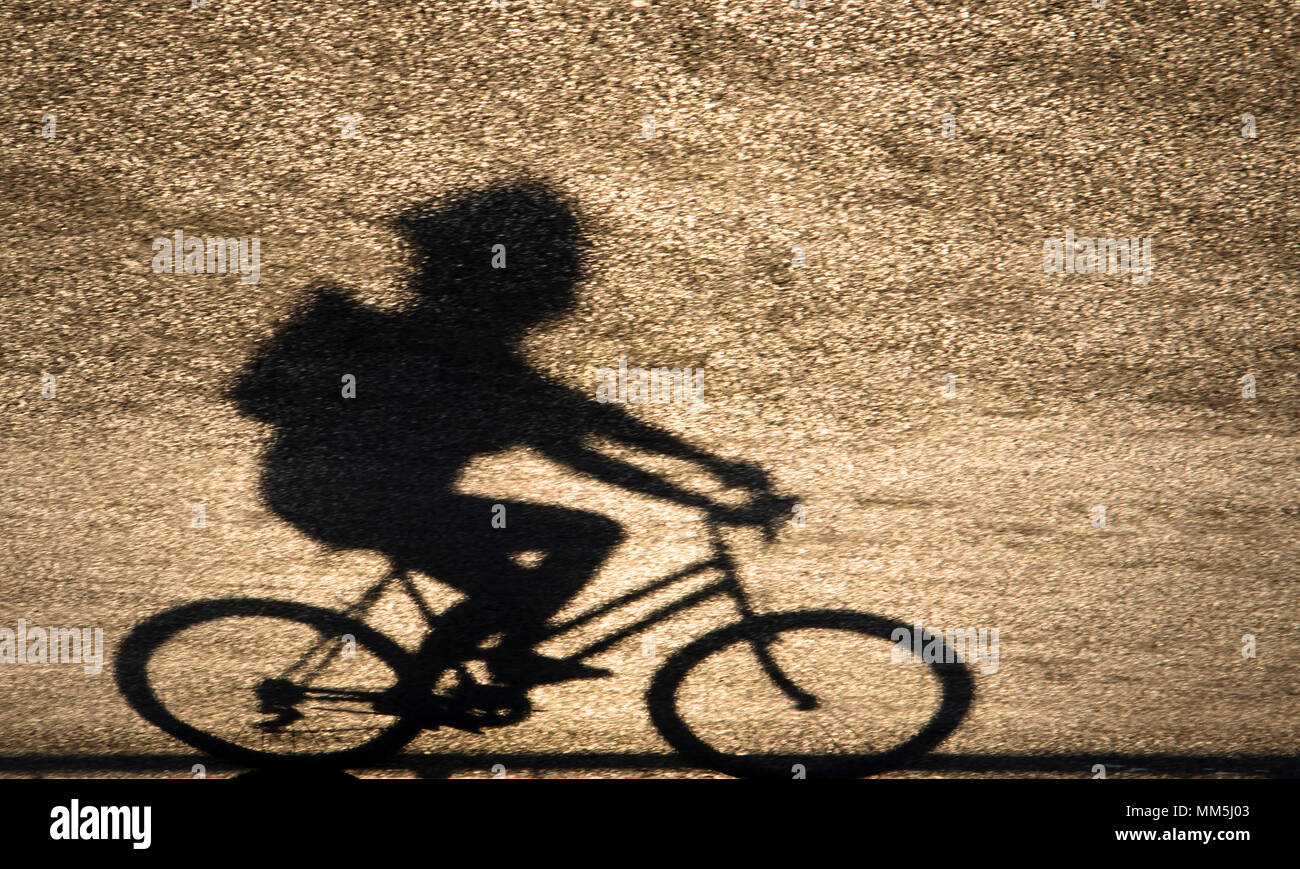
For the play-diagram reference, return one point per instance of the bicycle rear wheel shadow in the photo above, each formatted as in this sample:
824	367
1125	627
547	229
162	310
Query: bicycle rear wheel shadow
267	683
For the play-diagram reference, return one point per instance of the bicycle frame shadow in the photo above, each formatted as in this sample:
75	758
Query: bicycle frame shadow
751	630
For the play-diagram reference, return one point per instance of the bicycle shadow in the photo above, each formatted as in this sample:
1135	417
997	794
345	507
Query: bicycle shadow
376	414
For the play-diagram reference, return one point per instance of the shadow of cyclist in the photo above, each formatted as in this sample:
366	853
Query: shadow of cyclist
375	415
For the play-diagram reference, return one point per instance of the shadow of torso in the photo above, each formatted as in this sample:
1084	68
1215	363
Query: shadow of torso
375	468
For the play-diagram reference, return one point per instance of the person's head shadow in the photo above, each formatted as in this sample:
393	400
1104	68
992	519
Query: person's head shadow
491	263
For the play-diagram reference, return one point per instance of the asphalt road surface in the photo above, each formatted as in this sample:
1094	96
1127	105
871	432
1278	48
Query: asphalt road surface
837	211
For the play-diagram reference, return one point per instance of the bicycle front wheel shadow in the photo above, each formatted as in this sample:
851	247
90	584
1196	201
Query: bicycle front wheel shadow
816	694
266	682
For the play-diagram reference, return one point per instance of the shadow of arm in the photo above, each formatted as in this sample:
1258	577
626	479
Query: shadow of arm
620	473
614	423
